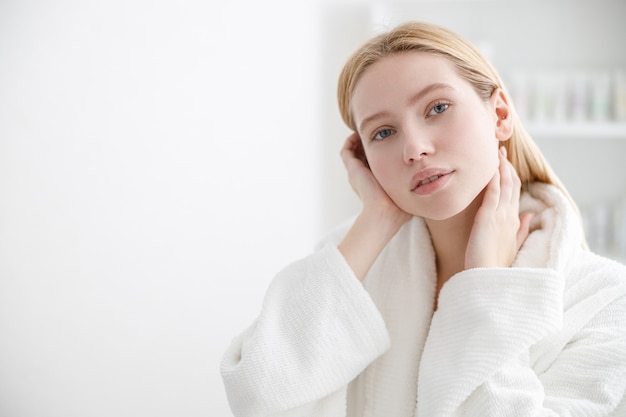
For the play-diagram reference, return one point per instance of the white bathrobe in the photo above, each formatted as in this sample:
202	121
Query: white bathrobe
546	337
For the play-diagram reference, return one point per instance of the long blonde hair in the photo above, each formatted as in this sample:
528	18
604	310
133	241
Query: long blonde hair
471	65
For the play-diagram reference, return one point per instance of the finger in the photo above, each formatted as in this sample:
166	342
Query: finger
516	185
348	145
352	153
492	192
524	228
347	151
359	152
513	189
506	178
516	182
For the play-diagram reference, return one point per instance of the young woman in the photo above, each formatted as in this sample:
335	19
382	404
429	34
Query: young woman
462	288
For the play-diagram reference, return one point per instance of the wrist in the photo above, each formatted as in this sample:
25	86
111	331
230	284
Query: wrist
385	220
369	234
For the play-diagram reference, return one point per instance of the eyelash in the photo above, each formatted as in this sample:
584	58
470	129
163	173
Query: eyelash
376	133
438	103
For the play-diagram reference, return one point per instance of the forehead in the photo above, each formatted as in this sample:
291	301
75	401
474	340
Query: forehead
399	76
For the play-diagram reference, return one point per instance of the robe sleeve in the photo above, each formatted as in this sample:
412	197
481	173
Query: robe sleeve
317	330
488	322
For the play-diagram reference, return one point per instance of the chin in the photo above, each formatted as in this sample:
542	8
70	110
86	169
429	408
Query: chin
448	208
440	215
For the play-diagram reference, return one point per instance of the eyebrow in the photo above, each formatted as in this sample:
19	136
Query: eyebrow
412	100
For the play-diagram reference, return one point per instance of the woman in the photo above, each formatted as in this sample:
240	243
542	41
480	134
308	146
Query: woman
439	298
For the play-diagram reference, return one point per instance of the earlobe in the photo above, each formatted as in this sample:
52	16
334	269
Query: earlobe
504	116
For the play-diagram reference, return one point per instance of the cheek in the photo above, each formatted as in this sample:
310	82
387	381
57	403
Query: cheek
490	162
381	168
482	147
492	157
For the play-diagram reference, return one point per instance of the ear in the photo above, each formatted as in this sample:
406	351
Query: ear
503	115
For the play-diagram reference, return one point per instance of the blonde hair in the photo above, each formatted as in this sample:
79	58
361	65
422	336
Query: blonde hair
471	65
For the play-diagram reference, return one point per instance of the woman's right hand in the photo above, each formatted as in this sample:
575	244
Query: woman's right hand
363	182
380	218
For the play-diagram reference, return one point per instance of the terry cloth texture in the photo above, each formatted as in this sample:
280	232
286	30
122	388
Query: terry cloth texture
546	337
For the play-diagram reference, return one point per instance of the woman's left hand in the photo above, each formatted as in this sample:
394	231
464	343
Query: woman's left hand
498	231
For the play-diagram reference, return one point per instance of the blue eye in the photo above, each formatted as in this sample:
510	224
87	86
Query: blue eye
438	109
383	134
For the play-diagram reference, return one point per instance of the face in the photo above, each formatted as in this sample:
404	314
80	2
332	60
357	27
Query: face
430	140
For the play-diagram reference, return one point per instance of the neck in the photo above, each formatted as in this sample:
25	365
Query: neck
450	239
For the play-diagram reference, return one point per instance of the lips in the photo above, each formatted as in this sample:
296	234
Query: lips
428	175
431	179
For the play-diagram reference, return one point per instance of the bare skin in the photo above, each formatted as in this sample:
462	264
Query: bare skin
427	145
488	234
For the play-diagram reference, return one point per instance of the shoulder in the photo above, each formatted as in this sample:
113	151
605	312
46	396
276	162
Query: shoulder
595	280
597	270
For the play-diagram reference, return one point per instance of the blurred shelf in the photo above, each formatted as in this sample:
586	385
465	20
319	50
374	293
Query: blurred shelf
619	257
577	130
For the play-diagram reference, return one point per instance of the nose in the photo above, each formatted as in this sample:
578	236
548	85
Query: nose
416	147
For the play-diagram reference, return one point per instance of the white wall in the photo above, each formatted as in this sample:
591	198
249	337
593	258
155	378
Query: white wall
556	38
159	163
